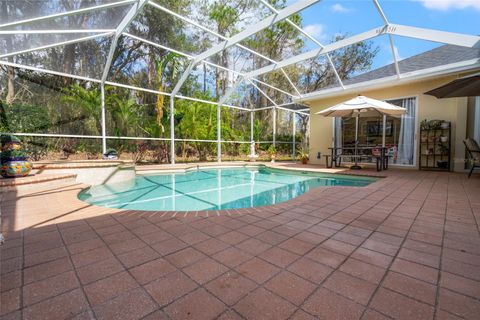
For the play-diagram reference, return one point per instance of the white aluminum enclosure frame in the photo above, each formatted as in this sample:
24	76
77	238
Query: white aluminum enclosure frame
250	78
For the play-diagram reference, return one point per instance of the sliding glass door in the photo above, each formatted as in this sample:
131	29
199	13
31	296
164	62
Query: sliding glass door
398	135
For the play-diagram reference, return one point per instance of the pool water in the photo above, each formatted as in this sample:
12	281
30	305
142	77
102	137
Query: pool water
213	189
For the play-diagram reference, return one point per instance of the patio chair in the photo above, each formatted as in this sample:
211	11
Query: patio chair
473	150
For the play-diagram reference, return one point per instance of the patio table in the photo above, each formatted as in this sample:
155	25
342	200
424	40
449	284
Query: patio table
382	159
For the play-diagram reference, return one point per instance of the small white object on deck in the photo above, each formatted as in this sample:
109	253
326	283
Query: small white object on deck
252	156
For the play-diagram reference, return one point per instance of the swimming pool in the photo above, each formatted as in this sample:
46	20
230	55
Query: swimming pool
213	189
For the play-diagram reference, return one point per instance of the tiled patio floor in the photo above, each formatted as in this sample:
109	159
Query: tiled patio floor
406	247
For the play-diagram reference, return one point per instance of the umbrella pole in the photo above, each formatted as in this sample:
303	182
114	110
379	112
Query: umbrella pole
384	130
356	166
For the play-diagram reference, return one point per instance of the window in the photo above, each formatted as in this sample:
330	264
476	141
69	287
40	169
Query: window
398	134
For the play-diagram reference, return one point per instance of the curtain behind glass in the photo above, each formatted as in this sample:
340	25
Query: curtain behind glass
338	133
406	139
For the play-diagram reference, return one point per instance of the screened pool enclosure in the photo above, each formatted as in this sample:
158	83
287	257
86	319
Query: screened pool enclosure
244	65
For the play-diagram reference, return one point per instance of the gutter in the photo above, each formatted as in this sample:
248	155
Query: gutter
409	77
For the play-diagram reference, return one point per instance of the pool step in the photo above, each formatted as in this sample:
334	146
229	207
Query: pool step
37	180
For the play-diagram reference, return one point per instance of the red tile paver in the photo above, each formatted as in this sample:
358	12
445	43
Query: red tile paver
351	287
91	256
253	246
11	280
363	270
400	307
310	270
410	287
326	304
233	237
62	306
185	257
137	257
279	257
168	288
290	287
230	287
326	257
415	270
458	304
44	256
108	288
406	246
229	315
372	257
10	301
99	270
205	270
196	305
302	315
460	285
232	257
296	246
262	304
169	246
50	287
46	270
152	270
257	270
211	246
134	304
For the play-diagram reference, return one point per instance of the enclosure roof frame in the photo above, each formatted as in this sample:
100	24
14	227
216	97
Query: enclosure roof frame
138	6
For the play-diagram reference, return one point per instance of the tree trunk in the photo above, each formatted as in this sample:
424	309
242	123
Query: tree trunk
10	85
3	118
10	70
68	62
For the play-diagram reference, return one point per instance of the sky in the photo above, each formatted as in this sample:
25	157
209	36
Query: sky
328	17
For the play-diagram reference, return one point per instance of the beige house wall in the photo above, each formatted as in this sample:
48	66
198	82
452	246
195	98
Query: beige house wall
428	107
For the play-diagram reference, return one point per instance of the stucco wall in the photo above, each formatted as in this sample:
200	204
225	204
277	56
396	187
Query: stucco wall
429	107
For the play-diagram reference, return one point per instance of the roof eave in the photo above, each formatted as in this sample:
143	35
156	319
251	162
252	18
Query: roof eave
424	74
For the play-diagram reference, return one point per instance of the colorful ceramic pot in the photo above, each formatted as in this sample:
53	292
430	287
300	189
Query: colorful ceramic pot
6	159
12	169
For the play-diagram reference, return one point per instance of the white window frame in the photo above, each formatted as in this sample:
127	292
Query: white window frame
415	139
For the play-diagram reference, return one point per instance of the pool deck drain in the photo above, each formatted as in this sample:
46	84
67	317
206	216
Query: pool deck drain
404	247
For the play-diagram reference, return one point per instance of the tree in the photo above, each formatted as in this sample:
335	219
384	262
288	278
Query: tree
197	121
136	112
89	100
348	61
168	63
125	113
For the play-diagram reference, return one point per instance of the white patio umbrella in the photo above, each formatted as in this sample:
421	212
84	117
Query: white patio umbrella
362	106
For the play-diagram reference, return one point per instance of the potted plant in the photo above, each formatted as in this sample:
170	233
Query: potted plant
272	151
303	156
14	158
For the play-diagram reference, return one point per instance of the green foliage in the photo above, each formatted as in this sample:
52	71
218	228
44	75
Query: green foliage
303	154
5	138
51	104
224	14
125	114
88	100
25	118
19	153
272	150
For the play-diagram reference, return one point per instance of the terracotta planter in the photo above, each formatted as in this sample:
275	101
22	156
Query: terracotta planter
304	161
13	169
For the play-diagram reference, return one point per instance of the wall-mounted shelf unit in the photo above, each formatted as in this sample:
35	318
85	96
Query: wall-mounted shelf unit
435	145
